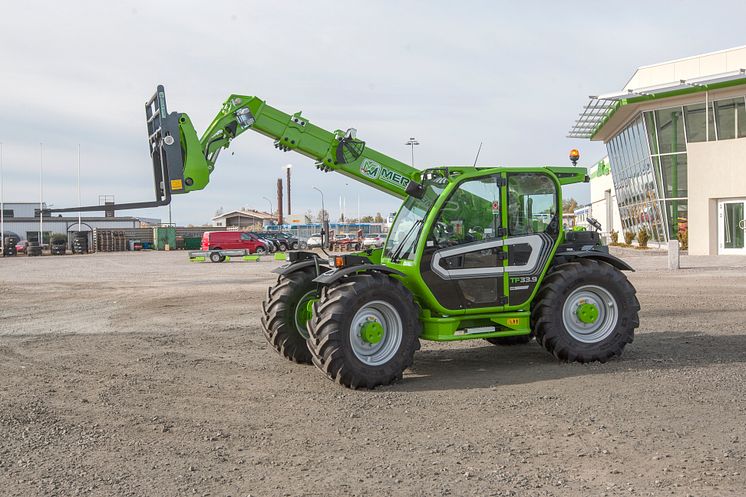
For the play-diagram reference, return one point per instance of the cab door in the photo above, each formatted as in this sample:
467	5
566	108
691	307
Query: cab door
463	260
533	222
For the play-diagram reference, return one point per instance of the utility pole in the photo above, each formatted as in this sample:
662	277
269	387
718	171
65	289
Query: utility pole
411	143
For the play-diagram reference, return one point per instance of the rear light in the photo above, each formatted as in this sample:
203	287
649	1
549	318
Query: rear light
339	261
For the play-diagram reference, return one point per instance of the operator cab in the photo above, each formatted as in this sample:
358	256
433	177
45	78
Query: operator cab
489	240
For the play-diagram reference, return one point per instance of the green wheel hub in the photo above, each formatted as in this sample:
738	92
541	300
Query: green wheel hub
371	331
587	313
304	312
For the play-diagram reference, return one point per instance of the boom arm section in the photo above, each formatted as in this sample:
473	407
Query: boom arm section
339	151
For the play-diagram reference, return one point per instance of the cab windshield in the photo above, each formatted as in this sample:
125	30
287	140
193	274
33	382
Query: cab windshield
405	232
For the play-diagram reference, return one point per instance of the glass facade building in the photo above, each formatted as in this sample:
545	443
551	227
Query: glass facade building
649	161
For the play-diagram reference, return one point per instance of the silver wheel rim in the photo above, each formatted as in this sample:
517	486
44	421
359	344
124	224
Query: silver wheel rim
303	327
603	326
388	317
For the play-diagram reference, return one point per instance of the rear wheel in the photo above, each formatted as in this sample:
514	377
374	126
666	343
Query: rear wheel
295	246
585	311
286	314
216	257
364	331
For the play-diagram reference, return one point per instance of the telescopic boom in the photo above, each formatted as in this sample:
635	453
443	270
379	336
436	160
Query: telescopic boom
183	162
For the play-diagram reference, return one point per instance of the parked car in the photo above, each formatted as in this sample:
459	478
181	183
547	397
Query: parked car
374	240
22	246
285	240
228	240
346	242
59	247
272	245
314	241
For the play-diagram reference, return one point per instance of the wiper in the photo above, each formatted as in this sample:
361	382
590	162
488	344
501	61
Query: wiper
397	252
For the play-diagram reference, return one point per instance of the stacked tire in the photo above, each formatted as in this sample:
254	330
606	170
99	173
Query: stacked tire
9	247
80	243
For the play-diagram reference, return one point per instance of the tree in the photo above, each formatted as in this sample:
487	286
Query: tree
308	216
569	205
366	219
378	218
322	215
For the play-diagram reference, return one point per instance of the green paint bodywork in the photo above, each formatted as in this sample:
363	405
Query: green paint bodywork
587	313
295	132
372	332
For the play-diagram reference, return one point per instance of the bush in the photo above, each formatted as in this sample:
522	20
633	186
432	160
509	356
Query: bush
58	237
683	237
642	238
614	237
628	237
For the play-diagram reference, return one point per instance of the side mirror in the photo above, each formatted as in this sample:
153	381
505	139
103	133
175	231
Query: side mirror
415	189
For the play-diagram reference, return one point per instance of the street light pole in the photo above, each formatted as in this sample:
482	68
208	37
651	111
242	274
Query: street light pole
411	143
323	215
270	204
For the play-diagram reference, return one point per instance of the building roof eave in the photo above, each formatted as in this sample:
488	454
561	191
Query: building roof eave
601	110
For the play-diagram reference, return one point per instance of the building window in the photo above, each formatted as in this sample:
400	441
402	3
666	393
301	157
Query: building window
696	128
670	130
8	213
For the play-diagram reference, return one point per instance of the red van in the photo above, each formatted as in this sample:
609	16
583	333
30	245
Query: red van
229	240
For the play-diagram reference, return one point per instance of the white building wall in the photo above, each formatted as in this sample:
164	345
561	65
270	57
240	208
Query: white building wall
715	172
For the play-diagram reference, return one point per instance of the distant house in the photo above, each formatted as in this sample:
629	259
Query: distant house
240	219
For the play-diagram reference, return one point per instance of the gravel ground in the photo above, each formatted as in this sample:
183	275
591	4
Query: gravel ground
144	375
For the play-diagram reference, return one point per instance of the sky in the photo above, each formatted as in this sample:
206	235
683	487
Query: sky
512	75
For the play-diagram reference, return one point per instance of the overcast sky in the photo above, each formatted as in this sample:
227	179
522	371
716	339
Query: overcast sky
510	74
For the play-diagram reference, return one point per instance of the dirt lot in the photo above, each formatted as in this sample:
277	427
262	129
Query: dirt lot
144	374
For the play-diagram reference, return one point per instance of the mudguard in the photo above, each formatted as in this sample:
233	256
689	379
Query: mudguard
330	277
297	266
599	256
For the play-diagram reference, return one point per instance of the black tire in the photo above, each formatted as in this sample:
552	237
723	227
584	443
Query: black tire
216	257
283	246
279	314
295	246
330	339
260	250
548	312
514	340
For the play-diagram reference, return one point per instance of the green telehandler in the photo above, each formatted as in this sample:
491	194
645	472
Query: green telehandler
473	253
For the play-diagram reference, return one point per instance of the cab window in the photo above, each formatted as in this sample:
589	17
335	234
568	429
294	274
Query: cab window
532	203
471	214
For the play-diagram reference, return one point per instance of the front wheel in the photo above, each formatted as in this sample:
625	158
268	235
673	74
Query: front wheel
259	250
286	313
364	331
585	311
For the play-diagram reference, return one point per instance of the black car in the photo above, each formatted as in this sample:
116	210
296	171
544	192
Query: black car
58	247
285	241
